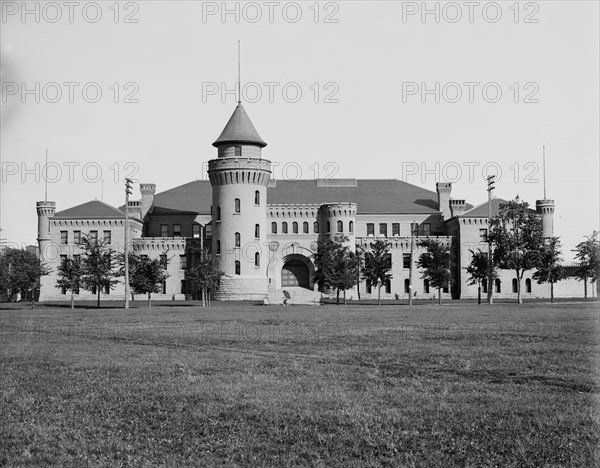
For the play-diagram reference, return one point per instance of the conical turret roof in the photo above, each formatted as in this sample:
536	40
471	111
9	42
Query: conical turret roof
239	129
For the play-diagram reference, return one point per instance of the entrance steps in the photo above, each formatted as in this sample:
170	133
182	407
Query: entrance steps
299	296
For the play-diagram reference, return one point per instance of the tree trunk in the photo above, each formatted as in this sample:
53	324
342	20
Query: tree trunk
337	300
479	293
551	292
519	298
344	297
149	303
72	300
98	304
585	288
440	296
379	295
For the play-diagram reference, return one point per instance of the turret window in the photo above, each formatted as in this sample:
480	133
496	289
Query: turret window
238	267
256	259
237	205
328	227
257	198
340	226
305	227
238	150
218	247
351	226
218	213
316	227
238	241
274	227
284	229
257	231
295	227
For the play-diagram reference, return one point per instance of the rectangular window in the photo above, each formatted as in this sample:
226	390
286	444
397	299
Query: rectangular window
107	289
370	229
164	230
176	230
406	260
238	151
196	231
183	287
182	262
426	229
483	235
163	261
107	237
93	237
414	229
64	237
383	229
77	237
207	230
395	229
164	287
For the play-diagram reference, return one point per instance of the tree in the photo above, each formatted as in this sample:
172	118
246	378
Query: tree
69	276
435	262
146	275
549	269
588	253
377	265
478	270
337	267
20	273
517	238
203	273
99	266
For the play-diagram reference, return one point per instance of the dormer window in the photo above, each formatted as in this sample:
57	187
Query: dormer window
238	151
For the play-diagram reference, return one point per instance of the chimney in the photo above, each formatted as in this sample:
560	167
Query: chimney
443	190
148	191
457	207
135	209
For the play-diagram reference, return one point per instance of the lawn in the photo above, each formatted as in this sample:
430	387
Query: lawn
356	385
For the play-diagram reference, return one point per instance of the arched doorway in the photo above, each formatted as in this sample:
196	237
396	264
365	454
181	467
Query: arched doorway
294	273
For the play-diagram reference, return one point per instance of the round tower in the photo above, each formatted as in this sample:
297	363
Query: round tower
340	220
239	178
545	209
45	211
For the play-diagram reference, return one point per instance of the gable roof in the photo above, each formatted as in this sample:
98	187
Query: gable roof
371	196
239	129
481	210
91	210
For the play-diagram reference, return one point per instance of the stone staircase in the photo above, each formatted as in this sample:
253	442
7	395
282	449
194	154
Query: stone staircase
299	296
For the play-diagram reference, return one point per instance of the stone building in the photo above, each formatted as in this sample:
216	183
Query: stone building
263	231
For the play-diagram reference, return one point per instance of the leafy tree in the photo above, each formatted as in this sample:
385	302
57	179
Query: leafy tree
549	269
516	235
69	276
203	273
146	275
99	264
20	273
435	262
588	253
377	265
478	271
337	267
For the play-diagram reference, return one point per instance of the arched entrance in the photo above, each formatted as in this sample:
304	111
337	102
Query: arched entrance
295	273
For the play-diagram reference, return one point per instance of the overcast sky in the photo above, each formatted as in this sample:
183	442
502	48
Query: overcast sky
343	89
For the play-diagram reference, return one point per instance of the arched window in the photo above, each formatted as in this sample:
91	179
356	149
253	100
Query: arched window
406	286
257	198
484	285
528	285
426	286
218	213
305	227
238	267
284	227
295	227
274	227
237	205
351	226
388	286
257	231
514	285
238	240
498	285
316	227
256	259
368	286
218	247
340	226
328	226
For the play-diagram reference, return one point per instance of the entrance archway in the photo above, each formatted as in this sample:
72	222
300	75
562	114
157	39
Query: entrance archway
295	273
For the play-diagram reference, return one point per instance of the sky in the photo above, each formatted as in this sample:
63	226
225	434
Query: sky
417	91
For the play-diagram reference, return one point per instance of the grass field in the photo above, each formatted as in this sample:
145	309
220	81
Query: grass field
241	385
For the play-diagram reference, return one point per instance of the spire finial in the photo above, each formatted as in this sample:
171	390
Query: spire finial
239	75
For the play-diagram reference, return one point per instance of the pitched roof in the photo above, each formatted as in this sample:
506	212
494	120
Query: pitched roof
91	210
371	196
481	211
239	129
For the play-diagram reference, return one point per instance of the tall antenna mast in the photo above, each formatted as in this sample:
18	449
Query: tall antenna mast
544	168
46	178
239	75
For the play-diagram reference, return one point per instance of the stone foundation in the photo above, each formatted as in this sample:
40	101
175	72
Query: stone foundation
241	289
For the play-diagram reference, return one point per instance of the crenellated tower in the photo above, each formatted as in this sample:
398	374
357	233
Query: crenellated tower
239	178
545	208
